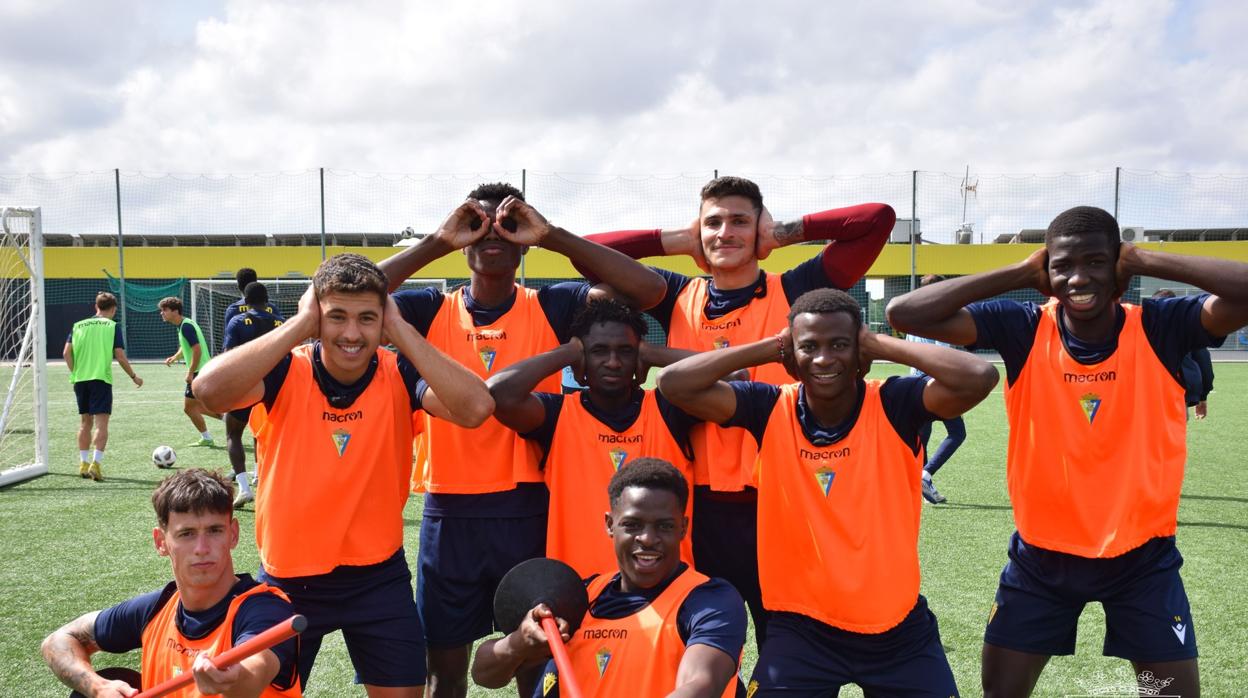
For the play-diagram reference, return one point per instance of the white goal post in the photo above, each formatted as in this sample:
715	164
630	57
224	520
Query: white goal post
210	298
23	347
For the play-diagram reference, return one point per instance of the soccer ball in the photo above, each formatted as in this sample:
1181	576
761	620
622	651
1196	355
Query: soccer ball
164	457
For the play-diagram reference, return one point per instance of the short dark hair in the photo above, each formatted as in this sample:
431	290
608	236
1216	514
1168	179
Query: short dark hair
350	273
193	491
170	303
105	300
1163	293
733	186
649	473
256	294
1085	220
602	310
245	276
930	279
495	191
825	301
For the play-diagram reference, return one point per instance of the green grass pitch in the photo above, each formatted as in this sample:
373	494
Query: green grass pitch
71	546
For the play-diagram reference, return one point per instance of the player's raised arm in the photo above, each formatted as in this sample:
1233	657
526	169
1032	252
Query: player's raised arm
704	672
960	380
464	226
68	651
693	384
455	393
939	311
497	661
633	282
1223	312
855	236
236	378
512	387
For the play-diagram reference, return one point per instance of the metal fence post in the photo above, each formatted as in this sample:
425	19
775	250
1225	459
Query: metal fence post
914	220
1117	179
322	214
524	176
121	258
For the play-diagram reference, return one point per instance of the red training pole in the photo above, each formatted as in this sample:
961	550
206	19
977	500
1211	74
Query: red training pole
562	662
279	633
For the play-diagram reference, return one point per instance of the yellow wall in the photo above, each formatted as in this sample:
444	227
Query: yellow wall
272	262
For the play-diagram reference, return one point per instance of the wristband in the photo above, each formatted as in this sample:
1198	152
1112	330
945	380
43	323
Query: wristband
780	346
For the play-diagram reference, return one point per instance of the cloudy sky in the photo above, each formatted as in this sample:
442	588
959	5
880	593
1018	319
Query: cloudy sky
628	87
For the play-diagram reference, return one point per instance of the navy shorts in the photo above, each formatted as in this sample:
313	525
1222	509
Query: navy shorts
374	608
725	545
94	397
187	392
1042	593
461	562
242	415
804	657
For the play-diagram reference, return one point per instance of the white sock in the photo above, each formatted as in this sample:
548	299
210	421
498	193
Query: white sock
927	476
243	485
85	456
207	436
99	456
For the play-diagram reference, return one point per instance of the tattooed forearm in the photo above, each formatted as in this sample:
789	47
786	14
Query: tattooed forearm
68	653
789	233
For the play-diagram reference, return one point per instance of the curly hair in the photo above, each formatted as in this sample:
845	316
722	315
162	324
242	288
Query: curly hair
1085	220
350	273
649	473
825	301
495	191
603	310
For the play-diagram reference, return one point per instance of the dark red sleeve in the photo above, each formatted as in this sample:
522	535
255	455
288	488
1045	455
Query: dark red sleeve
634	243
856	234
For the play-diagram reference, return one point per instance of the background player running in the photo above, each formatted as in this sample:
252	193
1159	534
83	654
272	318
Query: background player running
89	351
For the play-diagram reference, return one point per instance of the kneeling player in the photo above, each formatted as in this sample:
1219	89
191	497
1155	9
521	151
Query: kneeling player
206	610
333	424
656	627
839	492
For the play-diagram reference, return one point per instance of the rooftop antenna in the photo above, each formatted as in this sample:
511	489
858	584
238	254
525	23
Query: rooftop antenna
971	188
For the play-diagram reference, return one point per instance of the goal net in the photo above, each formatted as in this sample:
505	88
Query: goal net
210	298
23	348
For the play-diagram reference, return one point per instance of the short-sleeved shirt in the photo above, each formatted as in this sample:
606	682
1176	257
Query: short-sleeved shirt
807	276
120	628
343	394
901	397
240	306
244	327
1172	325
559	303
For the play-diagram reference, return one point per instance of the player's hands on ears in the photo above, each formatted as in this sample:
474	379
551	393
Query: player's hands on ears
869	349
390	319
518	222
578	359
696	250
788	353
1036	267
308	315
212	681
466	224
765	240
1128	265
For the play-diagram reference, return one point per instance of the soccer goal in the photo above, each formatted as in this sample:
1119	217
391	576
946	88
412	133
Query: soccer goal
23	350
210	298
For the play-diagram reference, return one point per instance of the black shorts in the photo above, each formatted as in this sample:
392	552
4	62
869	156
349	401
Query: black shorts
188	392
94	397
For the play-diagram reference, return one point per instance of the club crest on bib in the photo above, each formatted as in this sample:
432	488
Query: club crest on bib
618	456
341	438
487	355
603	658
1091	404
825	476
720	342
548	682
